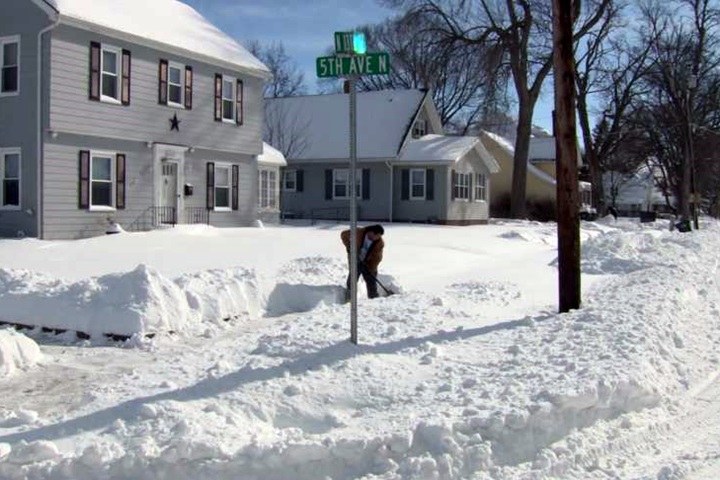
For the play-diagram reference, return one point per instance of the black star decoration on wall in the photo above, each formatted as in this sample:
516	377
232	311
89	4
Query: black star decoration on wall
174	123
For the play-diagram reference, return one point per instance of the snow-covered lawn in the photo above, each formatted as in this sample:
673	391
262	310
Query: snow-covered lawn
469	372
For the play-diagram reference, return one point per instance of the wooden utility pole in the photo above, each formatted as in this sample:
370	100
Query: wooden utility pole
566	154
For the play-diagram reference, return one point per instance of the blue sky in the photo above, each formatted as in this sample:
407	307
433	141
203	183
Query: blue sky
306	29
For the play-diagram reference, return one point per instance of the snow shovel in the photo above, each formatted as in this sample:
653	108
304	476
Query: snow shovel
389	292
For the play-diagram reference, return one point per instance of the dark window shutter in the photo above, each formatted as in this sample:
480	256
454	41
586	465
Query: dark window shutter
405	184
84	177
299	180
120	181
126	72
188	87
239	100
328	184
453	181
218	97
430	184
366	184
163	83
210	194
235	181
470	186
94	71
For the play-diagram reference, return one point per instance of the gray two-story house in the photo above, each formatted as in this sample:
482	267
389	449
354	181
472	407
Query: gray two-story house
131	112
408	171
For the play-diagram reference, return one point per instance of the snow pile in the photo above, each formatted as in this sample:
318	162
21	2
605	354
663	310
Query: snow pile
305	283
142	301
623	252
17	352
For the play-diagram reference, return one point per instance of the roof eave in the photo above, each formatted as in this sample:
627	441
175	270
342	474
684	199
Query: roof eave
119	34
403	163
47	8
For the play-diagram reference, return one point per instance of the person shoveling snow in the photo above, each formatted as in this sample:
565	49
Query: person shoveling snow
370	246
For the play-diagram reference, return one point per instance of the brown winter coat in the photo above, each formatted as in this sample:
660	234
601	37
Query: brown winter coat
374	256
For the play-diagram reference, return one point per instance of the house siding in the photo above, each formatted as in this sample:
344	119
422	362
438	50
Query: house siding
145	119
311	200
196	175
18	113
536	190
431	211
463	211
65	220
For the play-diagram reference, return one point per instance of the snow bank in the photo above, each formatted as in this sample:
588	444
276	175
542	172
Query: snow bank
142	301
17	352
436	388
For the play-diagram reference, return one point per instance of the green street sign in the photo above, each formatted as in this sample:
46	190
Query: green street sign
350	42
370	64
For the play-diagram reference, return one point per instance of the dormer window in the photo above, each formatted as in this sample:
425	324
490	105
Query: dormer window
419	128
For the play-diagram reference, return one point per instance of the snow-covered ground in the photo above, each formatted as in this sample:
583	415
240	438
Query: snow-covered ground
468	372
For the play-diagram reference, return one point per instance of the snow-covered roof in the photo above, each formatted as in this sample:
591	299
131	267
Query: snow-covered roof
272	156
437	148
383	120
510	149
168	22
447	149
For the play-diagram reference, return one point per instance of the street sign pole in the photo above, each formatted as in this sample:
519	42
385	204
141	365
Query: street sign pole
351	61
353	211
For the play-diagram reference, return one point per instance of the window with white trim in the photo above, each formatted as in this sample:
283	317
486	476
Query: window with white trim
228	99
461	188
268	189
102	180
9	65
289	180
341	182
480	187
419	128
176	85
10	178
110	73
223	175
418	183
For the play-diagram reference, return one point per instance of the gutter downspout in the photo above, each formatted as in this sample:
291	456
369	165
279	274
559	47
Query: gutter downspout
392	188
39	158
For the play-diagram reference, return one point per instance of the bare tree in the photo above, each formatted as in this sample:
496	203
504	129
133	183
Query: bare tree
586	81
682	85
285	127
466	81
287	79
522	29
611	72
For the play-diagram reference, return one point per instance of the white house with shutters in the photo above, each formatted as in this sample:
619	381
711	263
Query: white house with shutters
134	112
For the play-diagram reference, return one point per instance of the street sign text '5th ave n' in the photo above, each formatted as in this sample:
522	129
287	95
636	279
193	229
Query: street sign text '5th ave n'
369	64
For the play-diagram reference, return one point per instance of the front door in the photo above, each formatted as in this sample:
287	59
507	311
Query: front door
169	194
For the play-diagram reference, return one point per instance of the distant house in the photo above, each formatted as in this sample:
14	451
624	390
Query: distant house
407	170
633	193
541	186
136	112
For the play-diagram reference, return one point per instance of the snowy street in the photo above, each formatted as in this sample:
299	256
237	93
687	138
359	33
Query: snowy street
468	372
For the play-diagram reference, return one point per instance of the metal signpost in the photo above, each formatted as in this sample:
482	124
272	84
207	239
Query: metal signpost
351	61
